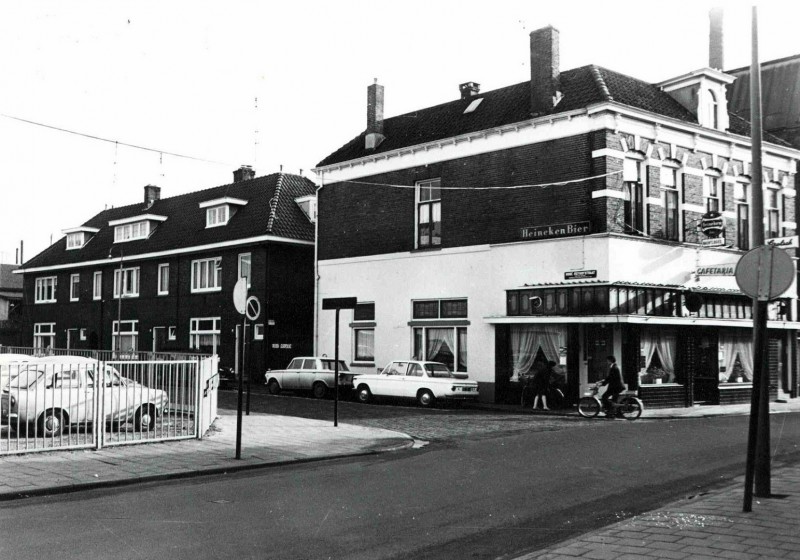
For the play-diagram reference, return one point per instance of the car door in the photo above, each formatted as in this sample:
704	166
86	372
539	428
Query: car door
307	374
67	391
288	378
413	380
395	383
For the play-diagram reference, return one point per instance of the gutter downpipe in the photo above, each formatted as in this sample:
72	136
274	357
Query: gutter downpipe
316	266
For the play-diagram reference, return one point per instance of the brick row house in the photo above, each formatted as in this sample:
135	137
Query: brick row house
174	262
558	219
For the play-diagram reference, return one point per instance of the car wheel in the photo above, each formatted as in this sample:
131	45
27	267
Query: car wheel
364	395
425	398
273	387
51	423
145	419
320	390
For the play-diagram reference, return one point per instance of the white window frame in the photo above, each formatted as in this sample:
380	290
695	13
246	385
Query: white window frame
431	204
201	271
195	331
455	328
635	179
75	287
46	290
714	179
217	216
258	331
82	334
40	333
673	173
770	190
357	329
163	279
130	282
132	331
97	285
172	333
132	232
75	240
249	258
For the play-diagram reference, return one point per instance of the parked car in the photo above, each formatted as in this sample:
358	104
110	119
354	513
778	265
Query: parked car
227	377
9	364
309	373
424	381
52	393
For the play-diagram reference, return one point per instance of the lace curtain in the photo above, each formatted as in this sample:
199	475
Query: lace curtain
526	340
737	345
664	342
438	338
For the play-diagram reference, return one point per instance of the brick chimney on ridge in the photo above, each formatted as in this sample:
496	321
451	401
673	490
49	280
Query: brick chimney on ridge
545	72
716	43
151	194
244	173
374	134
469	89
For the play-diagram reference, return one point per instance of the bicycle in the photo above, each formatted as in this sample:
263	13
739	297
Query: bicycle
554	394
626	404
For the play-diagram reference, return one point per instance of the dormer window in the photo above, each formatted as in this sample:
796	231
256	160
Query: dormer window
136	227
703	93
308	204
78	237
220	211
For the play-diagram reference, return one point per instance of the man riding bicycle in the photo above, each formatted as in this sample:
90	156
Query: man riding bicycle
615	385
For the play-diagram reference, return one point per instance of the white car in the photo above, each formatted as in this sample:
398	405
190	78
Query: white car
9	364
424	381
52	393
309	373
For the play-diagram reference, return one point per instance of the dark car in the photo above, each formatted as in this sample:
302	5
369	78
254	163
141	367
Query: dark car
227	377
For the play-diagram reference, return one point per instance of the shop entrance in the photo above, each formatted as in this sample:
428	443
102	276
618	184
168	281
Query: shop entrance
599	345
706	377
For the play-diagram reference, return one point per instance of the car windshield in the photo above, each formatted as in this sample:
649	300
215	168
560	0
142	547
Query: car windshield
329	364
25	378
437	370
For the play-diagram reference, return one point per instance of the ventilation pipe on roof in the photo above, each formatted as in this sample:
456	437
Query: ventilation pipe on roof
545	72
374	134
716	43
244	173
469	89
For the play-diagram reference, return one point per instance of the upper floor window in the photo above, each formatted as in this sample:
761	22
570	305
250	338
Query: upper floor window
217	215
712	109
97	285
669	184
364	332
207	275
244	267
715	195
75	240
308	204
429	213
74	287
132	232
46	289
772	207
163	279
126	282
440	309
79	236
635	179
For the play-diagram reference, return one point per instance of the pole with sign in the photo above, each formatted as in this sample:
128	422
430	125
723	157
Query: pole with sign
239	302
337	304
252	311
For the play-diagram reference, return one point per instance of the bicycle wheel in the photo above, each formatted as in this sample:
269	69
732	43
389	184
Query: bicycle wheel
631	408
589	407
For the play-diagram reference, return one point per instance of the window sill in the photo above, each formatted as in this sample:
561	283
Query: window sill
743	385
362	324
206	290
426	249
46	301
439	323
654	385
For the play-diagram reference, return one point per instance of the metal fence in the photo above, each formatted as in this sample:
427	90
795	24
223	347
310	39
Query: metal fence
74	402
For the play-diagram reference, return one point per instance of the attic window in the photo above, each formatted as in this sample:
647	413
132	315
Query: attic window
308	204
472	106
78	237
135	227
219	211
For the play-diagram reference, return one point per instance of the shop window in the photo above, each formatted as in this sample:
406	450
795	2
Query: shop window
735	358
532	343
657	356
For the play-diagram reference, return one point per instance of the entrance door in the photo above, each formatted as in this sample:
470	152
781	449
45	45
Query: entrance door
706	373
599	345
72	335
159	337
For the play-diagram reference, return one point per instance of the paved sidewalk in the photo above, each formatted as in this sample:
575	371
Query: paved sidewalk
266	440
703	528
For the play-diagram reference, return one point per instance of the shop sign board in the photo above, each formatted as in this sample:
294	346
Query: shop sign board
713	242
716	270
579	274
784	242
557	230
712	224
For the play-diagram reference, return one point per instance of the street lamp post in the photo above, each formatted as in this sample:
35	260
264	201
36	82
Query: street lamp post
118	341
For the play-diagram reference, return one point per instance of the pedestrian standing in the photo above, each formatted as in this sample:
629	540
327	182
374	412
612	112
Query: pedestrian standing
541	382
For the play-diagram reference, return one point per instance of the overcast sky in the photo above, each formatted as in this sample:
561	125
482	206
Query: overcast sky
183	77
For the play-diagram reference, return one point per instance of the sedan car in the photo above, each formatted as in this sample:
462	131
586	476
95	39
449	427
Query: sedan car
52	393
309	373
424	381
9	365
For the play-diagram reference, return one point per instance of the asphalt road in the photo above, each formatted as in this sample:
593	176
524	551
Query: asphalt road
463	497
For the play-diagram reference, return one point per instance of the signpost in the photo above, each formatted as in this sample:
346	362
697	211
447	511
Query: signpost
239	302
337	304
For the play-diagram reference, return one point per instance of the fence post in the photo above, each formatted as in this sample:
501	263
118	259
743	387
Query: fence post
198	388
97	421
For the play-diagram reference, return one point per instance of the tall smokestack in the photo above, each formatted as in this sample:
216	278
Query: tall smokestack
716	42
545	72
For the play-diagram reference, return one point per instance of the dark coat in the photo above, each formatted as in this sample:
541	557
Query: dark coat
541	380
614	379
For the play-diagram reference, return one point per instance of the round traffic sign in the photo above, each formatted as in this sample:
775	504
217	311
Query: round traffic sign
253	308
765	272
240	295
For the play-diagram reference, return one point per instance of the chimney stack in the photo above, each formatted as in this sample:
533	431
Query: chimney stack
244	173
151	194
545	73
716	42
469	89
374	116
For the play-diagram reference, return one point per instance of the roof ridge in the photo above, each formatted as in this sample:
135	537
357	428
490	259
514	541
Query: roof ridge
273	203
600	82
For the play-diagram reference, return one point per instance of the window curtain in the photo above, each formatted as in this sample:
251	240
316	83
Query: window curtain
665	343
736	345
438	338
365	342
462	350
526	340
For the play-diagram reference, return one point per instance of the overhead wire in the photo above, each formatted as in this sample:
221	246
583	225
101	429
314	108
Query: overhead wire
508	187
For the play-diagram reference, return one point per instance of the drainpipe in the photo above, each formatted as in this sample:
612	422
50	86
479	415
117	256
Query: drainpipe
316	266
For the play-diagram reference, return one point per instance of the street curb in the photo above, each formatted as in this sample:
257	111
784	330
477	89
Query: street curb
105	484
